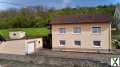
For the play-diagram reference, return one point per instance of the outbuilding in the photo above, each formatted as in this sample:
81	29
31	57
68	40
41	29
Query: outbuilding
20	45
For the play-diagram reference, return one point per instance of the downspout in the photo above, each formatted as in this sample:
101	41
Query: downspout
109	37
50	35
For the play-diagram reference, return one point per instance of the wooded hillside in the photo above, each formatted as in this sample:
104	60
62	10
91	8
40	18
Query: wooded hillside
38	17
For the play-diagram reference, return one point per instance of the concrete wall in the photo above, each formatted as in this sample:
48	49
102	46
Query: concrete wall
18	46
86	36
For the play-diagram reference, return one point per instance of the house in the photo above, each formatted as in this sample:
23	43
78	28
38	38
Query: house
82	33
20	46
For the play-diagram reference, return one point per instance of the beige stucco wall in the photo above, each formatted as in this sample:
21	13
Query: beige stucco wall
13	47
18	46
86	36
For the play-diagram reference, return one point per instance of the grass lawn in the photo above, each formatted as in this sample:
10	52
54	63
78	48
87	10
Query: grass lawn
30	32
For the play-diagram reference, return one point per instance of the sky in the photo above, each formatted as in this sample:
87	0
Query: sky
5	4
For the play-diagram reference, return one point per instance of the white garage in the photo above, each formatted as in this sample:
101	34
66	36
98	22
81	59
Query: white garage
33	44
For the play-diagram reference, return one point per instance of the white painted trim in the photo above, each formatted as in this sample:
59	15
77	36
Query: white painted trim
59	30
95	25
76	33
61	45
97	46
77	45
60	33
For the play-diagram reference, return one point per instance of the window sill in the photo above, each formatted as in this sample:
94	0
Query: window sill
61	45
61	33
96	33
78	45
76	33
97	46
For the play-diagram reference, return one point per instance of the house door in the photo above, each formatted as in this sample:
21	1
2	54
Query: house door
30	47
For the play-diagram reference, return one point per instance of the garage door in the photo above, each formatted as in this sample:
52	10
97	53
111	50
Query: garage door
30	47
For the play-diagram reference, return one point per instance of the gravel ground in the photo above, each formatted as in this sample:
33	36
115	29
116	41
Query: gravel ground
11	63
104	58
76	55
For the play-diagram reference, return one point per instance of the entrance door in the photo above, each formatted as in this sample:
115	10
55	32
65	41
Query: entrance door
30	47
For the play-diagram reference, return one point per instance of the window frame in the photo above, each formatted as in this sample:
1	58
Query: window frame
74	28
96	29
76	44
96	45
61	44
60	30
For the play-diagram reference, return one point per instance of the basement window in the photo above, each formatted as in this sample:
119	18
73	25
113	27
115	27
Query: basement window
77	42
97	43
62	42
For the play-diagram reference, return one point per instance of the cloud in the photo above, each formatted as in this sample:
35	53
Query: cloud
66	3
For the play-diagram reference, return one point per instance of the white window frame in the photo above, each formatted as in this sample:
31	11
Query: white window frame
96	29
95	45
77	40
74	29
59	30
60	44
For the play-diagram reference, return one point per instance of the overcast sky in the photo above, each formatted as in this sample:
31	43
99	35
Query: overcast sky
5	4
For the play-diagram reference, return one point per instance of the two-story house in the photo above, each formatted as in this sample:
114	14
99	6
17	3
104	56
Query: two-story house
82	33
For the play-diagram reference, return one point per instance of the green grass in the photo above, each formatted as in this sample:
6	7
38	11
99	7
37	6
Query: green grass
30	32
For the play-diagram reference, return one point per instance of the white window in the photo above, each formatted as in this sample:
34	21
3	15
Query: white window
62	42
97	43
77	42
77	30
96	29
61	30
